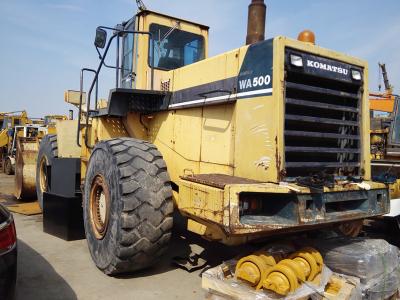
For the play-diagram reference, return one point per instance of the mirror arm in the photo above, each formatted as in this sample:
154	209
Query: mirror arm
98	52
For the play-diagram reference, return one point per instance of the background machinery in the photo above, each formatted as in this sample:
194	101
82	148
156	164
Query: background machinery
24	152
8	120
269	138
385	140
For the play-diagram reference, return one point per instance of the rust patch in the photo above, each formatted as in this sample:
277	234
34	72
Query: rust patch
280	173
218	180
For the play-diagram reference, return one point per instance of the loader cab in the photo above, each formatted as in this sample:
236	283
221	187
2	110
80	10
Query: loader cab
176	43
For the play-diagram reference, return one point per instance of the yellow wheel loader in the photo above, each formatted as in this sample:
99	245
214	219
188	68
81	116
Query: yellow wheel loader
8	120
269	138
21	158
24	151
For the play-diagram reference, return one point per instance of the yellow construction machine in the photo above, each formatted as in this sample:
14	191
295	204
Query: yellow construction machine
269	138
8	120
23	152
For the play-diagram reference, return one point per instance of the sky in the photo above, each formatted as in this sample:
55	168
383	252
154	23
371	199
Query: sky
45	43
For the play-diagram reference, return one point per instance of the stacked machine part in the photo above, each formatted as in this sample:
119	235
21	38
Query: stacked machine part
282	275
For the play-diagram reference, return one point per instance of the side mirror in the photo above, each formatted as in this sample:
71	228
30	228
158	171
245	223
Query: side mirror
101	38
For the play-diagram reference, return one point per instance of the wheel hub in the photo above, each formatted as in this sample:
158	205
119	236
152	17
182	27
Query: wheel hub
99	202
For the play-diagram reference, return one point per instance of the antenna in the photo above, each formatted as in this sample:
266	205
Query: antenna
141	5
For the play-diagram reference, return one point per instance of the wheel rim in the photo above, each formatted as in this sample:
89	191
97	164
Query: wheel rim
43	177
99	202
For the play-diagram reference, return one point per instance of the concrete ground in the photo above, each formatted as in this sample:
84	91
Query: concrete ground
51	268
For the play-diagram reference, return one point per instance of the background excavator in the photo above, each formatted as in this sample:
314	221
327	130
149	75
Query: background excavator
385	141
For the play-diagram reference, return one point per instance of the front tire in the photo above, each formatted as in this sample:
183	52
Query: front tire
127	205
8	167
48	151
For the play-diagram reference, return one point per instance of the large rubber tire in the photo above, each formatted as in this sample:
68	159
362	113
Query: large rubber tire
139	218
48	151
8	167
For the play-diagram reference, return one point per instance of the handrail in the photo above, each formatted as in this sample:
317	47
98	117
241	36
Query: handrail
80	101
116	33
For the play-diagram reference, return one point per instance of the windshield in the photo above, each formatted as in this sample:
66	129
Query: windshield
175	48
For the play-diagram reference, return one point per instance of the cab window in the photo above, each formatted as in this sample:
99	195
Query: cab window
128	41
174	48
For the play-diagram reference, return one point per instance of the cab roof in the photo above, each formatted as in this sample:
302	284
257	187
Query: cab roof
144	12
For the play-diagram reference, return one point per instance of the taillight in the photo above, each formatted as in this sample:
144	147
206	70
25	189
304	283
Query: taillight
8	236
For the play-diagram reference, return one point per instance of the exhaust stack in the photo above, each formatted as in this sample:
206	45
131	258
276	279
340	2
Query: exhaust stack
256	22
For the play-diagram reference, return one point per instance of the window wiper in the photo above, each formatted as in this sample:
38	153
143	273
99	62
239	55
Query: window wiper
166	35
178	24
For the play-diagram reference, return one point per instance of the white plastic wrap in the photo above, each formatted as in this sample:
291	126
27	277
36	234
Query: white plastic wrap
374	261
383	287
213	281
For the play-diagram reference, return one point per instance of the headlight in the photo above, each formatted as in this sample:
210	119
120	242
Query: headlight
356	75
296	60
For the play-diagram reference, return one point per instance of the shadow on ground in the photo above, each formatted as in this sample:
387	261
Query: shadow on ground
182	245
36	278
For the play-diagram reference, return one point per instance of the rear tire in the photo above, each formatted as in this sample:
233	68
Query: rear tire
48	151
8	168
127	205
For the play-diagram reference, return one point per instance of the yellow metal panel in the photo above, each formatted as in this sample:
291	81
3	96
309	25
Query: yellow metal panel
187	133
134	126
216	68
108	128
176	164
217	143
196	227
66	138
202	201
210	168
255	138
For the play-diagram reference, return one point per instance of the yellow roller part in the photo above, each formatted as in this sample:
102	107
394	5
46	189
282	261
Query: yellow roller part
305	266
281	279
252	269
309	258
269	259
315	253
296	267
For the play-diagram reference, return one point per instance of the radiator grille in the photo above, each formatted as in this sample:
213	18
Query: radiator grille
322	125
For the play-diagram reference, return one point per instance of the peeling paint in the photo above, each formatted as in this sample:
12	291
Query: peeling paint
263	162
